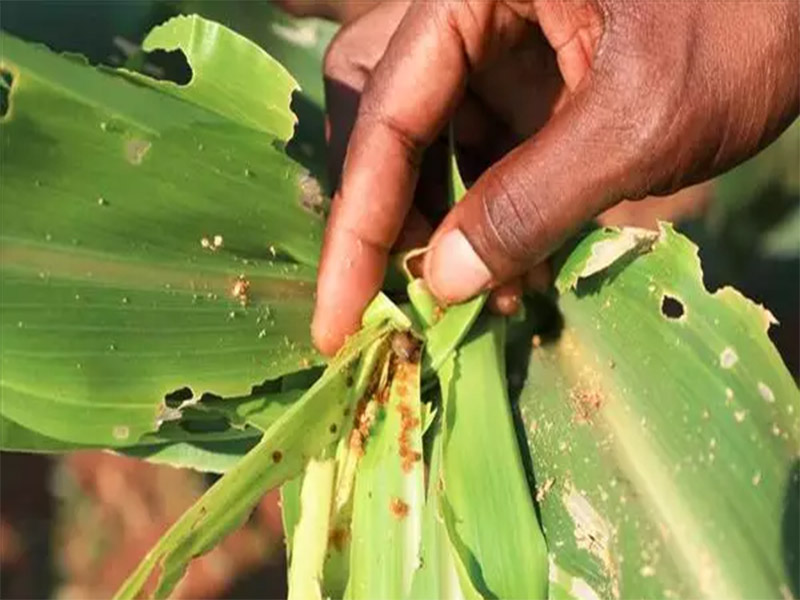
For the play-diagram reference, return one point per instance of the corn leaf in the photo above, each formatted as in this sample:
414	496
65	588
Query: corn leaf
232	82
259	411
310	533
336	569
389	491
664	430
150	236
504	556
438	575
206	457
14	436
303	431
210	456
299	44
290	511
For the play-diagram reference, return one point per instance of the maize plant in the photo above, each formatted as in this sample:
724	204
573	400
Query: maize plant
629	435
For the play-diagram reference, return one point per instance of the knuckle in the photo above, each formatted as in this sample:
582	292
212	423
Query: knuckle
341	60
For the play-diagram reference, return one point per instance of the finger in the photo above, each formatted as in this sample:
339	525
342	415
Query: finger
506	299
408	99
349	60
525	205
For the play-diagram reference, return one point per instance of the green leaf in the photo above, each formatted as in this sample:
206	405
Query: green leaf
664	431
483	474
389	492
207	457
442	338
15	437
438	575
303	431
241	82
259	411
113	195
310	534
371	378
290	511
298	44
608	246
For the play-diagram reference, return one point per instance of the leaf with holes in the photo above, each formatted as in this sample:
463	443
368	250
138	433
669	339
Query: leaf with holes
303	431
153	237
664	430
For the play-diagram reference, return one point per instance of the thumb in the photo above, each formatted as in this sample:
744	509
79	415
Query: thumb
524	206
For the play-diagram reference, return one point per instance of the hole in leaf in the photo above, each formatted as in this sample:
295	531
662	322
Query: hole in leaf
671	307
169	66
268	386
6	81
178	397
205	425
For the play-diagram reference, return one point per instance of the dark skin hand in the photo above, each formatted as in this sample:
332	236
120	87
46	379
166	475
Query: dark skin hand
561	110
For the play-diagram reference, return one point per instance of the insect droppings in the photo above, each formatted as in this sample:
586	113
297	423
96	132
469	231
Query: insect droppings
398	508
239	289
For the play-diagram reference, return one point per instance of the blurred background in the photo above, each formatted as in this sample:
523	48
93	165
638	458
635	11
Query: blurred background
75	526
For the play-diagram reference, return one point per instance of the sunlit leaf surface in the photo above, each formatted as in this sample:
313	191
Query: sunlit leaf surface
149	241
664	432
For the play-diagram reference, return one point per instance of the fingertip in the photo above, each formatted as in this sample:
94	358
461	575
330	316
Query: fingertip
350	274
325	334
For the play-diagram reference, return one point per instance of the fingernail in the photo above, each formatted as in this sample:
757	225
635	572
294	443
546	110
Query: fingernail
453	269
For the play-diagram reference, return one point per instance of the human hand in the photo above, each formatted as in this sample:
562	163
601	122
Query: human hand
646	98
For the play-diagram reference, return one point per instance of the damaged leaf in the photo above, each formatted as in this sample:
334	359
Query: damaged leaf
302	432
232	77
152	238
664	435
603	249
389	493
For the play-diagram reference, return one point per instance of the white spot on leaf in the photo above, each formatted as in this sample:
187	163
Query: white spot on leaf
607	252
592	532
766	392
728	358
135	150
